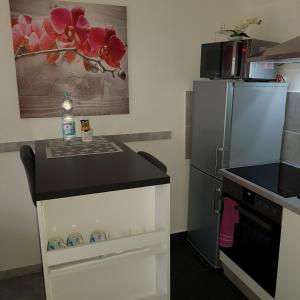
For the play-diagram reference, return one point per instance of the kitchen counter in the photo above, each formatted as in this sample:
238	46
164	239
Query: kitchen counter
291	203
88	174
118	193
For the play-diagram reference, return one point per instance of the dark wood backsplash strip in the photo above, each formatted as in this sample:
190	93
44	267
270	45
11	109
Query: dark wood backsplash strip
126	138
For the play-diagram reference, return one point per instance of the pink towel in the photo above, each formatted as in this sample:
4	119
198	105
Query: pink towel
230	217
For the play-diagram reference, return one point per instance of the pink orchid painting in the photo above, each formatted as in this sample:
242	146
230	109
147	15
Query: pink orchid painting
64	46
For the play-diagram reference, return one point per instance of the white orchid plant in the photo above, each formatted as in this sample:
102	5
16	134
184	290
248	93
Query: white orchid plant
240	30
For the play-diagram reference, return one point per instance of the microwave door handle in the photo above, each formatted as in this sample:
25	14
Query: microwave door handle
234	59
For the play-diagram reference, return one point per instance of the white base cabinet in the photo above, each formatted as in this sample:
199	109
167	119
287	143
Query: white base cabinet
288	278
132	264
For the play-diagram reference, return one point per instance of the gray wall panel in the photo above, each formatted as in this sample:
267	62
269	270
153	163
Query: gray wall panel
292	115
291	135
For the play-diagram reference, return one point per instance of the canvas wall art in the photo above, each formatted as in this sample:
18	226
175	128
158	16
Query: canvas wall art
62	46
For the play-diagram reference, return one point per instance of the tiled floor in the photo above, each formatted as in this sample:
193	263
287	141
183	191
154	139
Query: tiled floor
23	288
191	279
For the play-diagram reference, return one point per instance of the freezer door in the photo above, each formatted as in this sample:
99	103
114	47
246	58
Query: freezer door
211	116
257	123
204	215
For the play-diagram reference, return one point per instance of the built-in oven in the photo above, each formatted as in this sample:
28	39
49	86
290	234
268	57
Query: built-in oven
256	236
228	60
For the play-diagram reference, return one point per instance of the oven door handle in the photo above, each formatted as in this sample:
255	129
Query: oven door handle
255	219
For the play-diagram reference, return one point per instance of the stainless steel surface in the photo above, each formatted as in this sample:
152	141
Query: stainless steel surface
243	119
209	122
227	127
257	123
292	203
234	123
203	223
287	52
262	70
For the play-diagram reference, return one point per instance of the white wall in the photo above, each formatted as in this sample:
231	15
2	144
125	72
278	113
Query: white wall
164	38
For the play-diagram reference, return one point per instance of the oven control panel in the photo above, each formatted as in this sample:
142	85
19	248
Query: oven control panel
260	204
268	208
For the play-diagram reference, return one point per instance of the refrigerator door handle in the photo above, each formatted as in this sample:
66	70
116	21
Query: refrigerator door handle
218	149
217	197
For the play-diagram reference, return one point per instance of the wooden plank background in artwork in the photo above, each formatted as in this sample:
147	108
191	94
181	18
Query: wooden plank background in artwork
41	86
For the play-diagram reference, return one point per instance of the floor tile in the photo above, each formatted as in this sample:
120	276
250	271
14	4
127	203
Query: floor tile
193	279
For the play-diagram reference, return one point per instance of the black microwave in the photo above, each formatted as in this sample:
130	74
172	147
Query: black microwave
228	60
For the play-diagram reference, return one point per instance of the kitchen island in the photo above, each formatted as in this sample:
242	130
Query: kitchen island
120	193
273	191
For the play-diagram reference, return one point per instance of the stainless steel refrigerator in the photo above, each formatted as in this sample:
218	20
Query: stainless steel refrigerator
234	123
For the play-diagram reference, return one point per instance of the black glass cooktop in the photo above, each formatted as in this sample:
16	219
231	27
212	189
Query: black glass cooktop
280	178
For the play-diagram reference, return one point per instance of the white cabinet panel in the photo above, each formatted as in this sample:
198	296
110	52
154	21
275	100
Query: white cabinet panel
288	278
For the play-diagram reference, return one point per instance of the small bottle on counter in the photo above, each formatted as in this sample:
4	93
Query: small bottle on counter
68	121
86	131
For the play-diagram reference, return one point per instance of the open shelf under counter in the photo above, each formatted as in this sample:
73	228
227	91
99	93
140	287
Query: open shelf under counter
127	278
89	251
95	262
135	265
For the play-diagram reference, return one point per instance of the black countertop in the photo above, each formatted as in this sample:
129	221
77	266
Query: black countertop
277	182
280	178
89	174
